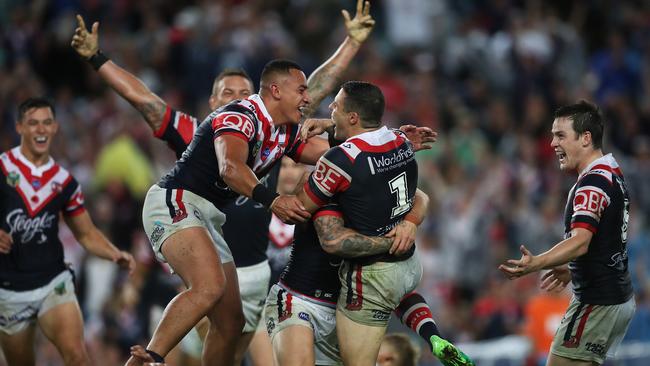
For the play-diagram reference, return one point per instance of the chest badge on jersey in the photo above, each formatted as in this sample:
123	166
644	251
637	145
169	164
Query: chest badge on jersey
57	187
36	183
12	179
257	147
265	154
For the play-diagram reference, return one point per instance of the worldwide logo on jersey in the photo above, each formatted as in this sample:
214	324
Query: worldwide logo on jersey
12	179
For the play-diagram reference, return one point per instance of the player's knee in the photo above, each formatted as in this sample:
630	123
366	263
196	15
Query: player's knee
207	295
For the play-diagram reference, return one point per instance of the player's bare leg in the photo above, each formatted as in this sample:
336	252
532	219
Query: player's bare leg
242	346
191	253
260	349
359	343
294	346
226	323
18	348
63	326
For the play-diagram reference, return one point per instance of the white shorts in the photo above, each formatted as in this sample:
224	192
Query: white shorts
253	288
19	309
284	309
167	211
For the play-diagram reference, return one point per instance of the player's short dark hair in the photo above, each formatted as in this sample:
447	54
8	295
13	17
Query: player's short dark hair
277	67
402	344
366	99
585	117
231	71
34	102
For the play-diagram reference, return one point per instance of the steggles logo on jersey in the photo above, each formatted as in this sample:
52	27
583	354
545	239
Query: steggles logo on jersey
12	179
28	228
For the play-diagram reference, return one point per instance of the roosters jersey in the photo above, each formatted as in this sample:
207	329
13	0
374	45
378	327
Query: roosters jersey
247	226
373	177
599	202
31	200
311	271
198	170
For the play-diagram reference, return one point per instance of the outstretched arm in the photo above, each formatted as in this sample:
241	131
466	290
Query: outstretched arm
328	75
95	242
129	87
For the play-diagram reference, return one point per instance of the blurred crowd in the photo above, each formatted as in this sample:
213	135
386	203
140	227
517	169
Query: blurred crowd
487	75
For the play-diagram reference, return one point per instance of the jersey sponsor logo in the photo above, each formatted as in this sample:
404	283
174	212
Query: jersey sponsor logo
380	315
24	314
596	348
304	316
270	325
618	260
60	289
591	201
328	177
157	232
30	227
237	121
387	162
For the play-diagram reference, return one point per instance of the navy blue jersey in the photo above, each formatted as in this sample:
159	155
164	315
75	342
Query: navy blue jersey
599	202
311	271
373	177
31	200
198	170
247	226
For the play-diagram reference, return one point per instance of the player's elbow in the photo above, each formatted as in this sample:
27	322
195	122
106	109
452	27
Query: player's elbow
330	246
228	171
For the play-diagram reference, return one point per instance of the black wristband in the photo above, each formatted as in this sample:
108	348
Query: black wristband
156	357
264	195
97	60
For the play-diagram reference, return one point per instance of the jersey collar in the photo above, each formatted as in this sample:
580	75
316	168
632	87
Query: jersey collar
35	170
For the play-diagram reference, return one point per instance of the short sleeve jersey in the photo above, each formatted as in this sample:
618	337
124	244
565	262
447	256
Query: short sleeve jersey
246	229
31	200
372	177
599	202
198	171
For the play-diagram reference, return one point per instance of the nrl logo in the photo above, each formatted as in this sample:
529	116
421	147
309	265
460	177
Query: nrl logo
12	179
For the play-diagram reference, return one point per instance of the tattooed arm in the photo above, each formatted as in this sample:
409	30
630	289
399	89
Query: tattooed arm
129	87
336	239
327	76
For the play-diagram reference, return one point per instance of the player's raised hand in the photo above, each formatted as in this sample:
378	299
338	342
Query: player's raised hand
421	137
289	209
403	237
85	43
5	242
556	279
361	25
515	268
313	127
126	261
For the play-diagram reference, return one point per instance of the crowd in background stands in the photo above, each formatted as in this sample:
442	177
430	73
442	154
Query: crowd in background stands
487	75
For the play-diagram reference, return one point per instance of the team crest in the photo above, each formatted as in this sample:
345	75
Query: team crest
56	187
36	183
60	289
12	179
257	147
